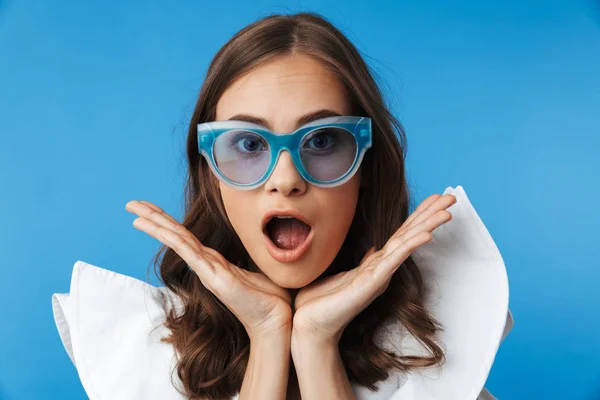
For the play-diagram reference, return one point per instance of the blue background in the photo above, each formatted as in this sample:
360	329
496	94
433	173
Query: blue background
502	97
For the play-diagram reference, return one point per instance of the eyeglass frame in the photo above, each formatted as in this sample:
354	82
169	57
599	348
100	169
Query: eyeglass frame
359	127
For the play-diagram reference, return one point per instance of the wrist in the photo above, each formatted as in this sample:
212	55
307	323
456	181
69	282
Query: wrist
319	367
277	324
281	334
268	366
310	343
307	333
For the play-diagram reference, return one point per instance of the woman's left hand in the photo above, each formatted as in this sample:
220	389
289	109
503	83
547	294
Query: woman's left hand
325	307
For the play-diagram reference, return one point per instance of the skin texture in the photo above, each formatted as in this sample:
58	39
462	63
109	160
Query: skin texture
286	309
280	92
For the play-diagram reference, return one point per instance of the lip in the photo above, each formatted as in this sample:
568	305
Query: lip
282	255
283	213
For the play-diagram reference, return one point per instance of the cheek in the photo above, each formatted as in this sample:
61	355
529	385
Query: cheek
238	207
341	206
338	207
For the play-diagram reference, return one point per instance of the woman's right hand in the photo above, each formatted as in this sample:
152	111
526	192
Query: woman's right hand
259	304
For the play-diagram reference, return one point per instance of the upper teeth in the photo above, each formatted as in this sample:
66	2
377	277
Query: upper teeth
284	216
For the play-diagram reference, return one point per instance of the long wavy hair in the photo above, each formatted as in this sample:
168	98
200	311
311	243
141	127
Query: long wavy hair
211	344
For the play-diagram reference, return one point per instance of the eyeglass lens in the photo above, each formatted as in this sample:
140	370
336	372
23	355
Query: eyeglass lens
243	156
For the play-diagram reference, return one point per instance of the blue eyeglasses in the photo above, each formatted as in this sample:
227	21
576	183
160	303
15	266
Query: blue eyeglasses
326	152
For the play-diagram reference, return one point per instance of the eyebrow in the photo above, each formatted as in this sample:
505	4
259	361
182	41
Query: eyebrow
305	119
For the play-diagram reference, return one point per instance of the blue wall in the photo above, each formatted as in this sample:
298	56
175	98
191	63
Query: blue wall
502	97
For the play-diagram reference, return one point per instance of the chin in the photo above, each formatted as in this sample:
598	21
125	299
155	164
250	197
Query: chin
288	284
290	280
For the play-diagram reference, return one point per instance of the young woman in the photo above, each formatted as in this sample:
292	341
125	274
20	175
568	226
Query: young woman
298	269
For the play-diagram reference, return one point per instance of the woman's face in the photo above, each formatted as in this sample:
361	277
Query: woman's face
280	92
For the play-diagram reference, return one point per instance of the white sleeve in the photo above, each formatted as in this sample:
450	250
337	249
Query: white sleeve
510	322
467	292
60	309
111	325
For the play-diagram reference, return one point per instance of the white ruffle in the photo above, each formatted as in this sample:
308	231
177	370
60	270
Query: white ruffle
110	324
106	324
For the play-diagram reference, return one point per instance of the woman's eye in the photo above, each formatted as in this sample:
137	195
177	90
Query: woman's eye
320	141
249	144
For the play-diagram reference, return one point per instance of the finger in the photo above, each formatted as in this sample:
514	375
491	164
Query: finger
158	216
142	206
191	254
214	271
158	210
423	206
386	261
428	225
442	203
390	263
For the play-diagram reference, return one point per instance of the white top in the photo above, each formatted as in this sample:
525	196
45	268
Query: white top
110	324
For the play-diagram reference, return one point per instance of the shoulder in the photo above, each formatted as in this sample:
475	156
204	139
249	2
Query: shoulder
467	292
111	325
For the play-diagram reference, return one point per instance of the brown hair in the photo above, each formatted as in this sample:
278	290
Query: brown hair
212	345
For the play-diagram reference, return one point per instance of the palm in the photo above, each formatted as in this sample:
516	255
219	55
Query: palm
316	302
254	297
326	306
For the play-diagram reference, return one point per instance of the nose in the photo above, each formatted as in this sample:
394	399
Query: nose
285	178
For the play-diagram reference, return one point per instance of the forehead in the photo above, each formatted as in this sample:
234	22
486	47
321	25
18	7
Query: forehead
283	89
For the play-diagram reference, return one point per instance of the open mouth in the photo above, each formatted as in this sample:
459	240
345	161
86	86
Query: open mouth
287	232
287	237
